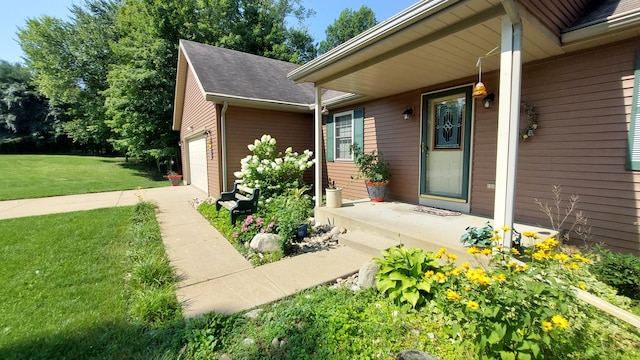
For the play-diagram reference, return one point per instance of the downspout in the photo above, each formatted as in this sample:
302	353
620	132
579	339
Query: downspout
223	144
508	120
318	147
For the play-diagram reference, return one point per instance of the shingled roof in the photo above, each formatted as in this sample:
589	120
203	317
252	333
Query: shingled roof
233	73
605	10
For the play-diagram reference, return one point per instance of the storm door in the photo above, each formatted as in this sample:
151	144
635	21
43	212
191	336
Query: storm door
445	149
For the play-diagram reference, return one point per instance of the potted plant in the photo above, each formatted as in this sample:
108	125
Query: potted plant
374	170
334	195
174	178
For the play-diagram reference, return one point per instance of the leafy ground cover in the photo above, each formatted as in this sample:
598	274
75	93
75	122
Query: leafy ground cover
31	176
75	286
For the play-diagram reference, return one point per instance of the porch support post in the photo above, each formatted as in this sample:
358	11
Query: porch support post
318	147
508	126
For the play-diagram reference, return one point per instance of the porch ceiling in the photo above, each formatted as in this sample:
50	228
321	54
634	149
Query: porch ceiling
432	46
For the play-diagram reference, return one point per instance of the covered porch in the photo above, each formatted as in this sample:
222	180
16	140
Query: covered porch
375	226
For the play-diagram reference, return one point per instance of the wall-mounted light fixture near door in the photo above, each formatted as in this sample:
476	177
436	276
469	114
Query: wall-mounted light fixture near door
407	113
488	101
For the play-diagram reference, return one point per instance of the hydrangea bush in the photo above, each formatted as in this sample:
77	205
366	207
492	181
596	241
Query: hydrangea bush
273	172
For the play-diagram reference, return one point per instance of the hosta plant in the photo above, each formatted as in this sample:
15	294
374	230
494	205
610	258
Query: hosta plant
410	275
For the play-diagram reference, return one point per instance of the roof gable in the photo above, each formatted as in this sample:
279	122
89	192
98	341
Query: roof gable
230	73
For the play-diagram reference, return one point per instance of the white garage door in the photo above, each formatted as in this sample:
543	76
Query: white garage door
198	163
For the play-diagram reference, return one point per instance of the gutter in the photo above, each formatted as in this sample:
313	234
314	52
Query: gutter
257	103
223	144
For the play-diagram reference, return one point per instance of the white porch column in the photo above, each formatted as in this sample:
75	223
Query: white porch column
508	126
318	149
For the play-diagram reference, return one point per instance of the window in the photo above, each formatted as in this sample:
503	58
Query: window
343	131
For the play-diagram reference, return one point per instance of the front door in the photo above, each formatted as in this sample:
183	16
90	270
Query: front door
445	155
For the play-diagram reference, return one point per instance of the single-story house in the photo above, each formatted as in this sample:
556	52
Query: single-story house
561	107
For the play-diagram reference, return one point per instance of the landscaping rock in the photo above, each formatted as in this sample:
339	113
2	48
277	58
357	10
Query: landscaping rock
248	342
253	314
367	275
262	243
334	233
414	355
224	357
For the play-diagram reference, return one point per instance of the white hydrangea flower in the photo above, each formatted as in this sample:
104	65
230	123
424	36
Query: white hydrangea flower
251	147
238	174
278	161
265	138
257	142
260	169
289	150
272	141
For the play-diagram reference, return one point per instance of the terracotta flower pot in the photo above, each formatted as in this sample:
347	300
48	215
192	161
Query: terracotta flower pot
174	179
377	190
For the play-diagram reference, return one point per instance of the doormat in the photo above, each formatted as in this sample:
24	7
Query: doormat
436	211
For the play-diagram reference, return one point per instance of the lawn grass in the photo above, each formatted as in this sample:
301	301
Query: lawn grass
32	176
65	289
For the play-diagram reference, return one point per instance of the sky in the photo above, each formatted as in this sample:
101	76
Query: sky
15	13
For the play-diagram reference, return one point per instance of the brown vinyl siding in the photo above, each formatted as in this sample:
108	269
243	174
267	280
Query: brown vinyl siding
198	115
556	15
385	130
244	125
583	102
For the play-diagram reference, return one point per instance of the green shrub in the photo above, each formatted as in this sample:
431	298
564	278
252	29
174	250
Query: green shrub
478	236
620	271
155	305
209	333
153	271
407	275
290	210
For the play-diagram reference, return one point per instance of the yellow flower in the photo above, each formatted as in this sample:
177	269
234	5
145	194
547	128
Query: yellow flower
499	278
547	326
582	286
581	258
473	250
479	277
522	268
440	277
512	265
515	251
440	252
465	265
530	234
456	271
499	247
452	257
486	252
495	238
572	266
452	295
428	274
467	288
561	257
560	321
539	255
506	228
473	305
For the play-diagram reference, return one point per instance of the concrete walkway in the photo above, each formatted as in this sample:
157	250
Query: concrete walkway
213	275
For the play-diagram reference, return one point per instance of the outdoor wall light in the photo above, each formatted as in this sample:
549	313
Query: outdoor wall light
488	101
207	133
325	111
407	113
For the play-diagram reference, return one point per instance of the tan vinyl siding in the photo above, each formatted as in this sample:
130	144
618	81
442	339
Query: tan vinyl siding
198	115
244	125
556	15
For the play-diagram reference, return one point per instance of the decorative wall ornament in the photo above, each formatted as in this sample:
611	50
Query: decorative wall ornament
532	122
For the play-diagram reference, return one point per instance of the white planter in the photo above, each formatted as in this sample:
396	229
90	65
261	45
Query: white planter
334	197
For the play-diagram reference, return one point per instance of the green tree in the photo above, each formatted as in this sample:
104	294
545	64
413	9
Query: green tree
70	60
348	24
25	116
142	81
